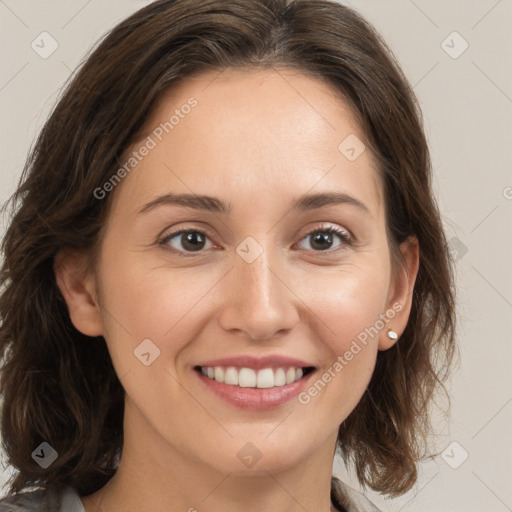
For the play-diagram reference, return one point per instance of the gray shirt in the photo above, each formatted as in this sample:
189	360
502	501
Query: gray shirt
344	498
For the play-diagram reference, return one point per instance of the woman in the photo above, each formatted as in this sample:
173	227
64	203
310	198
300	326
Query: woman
225	265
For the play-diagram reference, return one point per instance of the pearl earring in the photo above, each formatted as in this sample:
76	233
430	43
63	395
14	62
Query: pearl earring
392	334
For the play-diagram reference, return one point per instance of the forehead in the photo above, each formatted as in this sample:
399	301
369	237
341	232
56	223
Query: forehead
275	130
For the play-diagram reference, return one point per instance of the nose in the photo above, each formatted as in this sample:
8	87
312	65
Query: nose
259	302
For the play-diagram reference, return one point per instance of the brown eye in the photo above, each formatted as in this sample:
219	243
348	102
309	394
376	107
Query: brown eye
191	240
322	239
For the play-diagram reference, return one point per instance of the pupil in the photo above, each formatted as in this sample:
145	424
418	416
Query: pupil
322	237
193	241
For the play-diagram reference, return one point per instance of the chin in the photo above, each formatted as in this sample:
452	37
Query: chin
258	457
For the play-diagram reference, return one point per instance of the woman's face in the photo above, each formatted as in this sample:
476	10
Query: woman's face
257	275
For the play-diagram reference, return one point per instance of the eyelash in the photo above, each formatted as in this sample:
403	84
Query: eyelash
163	241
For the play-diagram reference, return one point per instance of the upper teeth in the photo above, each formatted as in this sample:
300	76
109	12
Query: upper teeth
249	378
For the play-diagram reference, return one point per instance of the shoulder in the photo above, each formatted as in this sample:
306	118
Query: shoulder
348	499
43	501
27	500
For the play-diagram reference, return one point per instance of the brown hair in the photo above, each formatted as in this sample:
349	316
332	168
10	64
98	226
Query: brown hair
59	385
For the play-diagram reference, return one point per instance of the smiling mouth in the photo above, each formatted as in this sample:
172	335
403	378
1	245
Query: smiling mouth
263	378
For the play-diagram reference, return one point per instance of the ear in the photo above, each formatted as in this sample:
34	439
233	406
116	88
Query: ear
78	288
401	292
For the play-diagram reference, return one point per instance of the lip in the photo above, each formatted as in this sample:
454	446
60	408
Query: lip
255	399
257	363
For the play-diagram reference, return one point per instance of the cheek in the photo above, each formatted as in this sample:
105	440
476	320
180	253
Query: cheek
156	302
347	301
347	306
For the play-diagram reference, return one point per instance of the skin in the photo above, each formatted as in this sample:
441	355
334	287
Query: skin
256	140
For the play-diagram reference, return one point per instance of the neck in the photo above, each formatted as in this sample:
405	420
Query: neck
155	475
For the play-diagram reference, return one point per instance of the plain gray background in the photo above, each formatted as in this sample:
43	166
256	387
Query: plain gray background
466	97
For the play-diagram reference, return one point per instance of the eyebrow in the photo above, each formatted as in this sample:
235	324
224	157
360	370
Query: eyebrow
306	202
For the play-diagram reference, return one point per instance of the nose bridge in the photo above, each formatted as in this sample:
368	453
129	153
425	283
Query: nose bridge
258	278
259	300
253	268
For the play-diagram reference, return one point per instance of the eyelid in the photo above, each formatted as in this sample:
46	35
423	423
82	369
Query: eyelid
181	229
325	226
